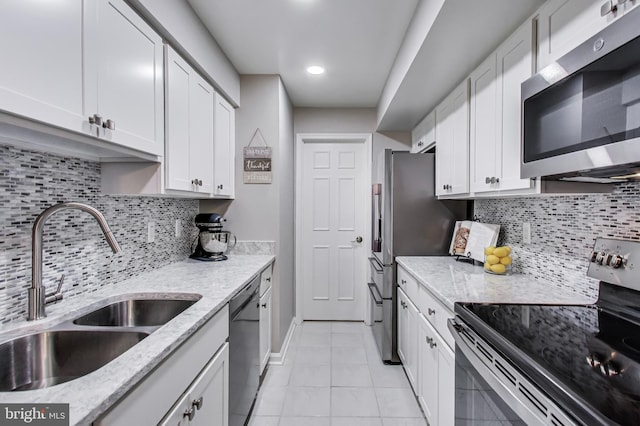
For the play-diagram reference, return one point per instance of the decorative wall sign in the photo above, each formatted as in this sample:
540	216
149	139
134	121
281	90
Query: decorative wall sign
257	160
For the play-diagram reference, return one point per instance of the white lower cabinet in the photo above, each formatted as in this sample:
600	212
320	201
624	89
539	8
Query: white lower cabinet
189	387
265	329
408	330
436	382
266	279
425	349
207	399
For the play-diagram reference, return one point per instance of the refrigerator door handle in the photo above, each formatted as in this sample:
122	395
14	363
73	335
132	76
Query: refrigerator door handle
377	300
376	266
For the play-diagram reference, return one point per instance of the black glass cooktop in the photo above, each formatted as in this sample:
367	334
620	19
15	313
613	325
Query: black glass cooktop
585	357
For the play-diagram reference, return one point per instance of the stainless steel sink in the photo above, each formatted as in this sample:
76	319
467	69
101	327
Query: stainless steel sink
135	313
52	357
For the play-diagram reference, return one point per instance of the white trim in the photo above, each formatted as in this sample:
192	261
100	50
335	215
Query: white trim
301	138
278	358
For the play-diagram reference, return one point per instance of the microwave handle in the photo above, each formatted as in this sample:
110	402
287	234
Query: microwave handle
376	266
372	287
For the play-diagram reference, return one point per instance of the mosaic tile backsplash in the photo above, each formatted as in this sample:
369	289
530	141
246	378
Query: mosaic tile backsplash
31	181
563	231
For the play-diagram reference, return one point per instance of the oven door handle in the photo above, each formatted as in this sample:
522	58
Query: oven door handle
376	265
377	300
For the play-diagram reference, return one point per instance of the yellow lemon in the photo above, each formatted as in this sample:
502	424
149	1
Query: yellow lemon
492	259
487	266
505	260
500	252
507	248
489	250
498	268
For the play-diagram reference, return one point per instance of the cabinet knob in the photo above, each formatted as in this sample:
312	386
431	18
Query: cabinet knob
190	413
430	311
96	119
432	344
404	305
200	182
268	279
220	186
487	180
264	305
420	143
197	403
109	124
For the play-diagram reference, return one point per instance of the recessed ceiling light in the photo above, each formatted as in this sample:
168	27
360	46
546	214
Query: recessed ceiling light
315	70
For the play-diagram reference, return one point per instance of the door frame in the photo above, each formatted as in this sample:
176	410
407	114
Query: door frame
301	139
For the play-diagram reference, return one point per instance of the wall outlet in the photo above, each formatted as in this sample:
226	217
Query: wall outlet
178	228
526	233
151	232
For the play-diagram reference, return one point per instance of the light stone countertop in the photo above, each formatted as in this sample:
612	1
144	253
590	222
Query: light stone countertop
94	393
451	281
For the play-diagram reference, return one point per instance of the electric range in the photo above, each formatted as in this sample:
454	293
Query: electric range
556	364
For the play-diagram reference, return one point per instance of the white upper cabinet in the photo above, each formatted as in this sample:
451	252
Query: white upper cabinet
128	89
189	118
423	137
69	60
495	115
42	73
452	142
224	149
564	24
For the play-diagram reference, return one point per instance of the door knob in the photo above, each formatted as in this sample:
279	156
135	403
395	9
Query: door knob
358	239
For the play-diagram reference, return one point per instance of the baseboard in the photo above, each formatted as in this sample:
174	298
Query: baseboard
278	358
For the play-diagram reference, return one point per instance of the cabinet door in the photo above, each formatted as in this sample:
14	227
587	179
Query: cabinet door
446	383
265	329
224	149
43	71
515	65
483	138
201	135
444	147
428	367
423	135
459	131
210	392
411	354
564	24
403	326
129	91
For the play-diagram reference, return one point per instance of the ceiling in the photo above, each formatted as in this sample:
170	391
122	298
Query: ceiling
355	40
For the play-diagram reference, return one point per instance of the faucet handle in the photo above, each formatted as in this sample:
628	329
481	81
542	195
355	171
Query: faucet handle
56	296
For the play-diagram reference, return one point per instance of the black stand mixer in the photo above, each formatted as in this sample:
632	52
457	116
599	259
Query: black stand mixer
212	241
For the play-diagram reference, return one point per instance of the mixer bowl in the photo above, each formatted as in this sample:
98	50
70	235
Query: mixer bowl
216	242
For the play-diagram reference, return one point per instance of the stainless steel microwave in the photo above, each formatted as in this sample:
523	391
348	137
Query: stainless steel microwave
581	114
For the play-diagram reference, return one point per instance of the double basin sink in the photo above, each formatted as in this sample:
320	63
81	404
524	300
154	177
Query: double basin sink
77	347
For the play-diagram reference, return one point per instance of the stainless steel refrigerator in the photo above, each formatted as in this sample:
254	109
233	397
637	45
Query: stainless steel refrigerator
408	220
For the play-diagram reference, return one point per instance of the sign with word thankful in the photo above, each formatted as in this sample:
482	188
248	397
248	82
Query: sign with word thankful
257	161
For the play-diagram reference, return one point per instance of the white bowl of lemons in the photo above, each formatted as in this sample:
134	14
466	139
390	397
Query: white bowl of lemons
498	260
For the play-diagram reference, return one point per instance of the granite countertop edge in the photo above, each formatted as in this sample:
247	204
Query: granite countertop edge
93	394
451	281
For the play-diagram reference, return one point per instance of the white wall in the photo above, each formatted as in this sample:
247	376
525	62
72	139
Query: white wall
264	212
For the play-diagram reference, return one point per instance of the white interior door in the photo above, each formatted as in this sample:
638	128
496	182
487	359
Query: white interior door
333	209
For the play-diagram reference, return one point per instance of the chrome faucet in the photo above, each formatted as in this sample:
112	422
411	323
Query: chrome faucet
38	298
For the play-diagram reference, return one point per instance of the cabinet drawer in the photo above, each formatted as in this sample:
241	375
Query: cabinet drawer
407	283
266	278
436	313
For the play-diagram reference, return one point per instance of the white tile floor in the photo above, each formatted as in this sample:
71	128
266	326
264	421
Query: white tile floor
333	376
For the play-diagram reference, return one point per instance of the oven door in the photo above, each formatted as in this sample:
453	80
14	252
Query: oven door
489	389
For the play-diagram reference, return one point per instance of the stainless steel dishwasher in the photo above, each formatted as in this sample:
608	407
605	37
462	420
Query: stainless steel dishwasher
244	348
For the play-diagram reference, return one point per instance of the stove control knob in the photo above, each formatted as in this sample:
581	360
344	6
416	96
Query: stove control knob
600	257
610	369
594	360
616	261
594	255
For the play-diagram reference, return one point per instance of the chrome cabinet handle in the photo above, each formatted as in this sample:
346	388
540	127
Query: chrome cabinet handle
109	124
403	281
268	279
196	182
220	186
190	413
487	179
431	342
96	119
404	305
197	403
430	311
264	305
420	143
